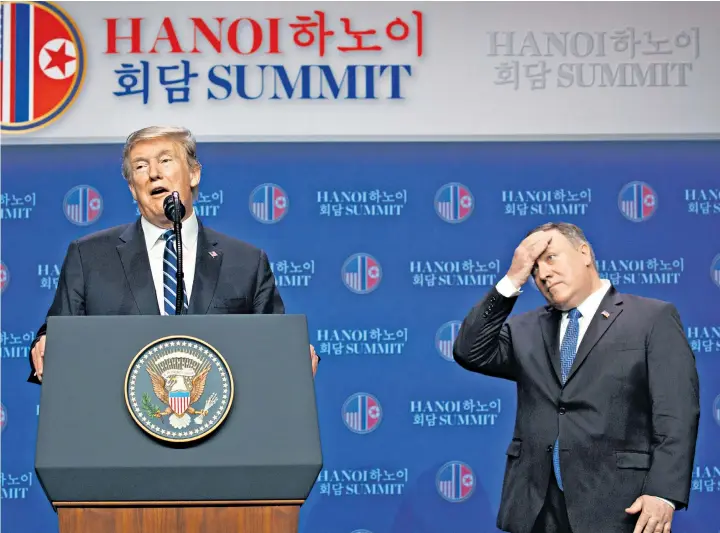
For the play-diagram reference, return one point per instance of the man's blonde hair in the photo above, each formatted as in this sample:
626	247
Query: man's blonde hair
182	136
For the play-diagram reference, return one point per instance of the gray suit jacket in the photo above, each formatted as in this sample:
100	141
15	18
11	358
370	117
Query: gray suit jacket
627	416
108	273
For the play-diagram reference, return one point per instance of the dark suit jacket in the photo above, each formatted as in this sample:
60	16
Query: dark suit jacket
108	273
627	415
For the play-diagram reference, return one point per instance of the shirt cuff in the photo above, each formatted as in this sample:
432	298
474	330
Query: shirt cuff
506	288
671	504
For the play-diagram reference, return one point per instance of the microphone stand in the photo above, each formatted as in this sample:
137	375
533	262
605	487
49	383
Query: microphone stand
180	276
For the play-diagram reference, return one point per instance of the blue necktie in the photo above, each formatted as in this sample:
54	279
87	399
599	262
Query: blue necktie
568	348
169	275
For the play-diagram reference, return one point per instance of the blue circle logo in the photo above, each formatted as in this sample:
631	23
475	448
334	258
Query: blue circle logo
4	277
83	205
455	481
361	273
454	203
715	270
637	201
179	389
269	203
445	339
362	413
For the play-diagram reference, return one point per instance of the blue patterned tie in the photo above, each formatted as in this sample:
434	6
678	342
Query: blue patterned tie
568	348
169	273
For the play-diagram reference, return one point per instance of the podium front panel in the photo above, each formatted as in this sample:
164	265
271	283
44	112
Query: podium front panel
90	448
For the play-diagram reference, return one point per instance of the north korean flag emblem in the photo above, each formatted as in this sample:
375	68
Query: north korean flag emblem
43	65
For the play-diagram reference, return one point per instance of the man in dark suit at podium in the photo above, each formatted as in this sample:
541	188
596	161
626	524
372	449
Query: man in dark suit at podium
607	391
130	269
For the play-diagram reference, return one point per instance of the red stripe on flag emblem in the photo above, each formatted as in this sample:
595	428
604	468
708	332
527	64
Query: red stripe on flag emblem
54	70
179	403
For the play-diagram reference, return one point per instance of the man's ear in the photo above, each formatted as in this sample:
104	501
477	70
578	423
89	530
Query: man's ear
132	190
586	252
195	177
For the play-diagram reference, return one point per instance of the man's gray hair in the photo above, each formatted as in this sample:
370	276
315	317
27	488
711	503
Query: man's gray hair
182	136
571	232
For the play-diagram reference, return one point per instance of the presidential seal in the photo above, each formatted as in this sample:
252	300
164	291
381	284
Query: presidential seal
179	389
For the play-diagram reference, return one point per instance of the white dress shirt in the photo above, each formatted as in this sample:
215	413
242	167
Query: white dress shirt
587	309
155	244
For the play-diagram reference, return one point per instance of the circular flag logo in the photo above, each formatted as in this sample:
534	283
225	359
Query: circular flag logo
179	389
637	201
445	339
715	270
4	277
3	417
43	65
362	413
454	203
455	481
269	203
83	205
361	273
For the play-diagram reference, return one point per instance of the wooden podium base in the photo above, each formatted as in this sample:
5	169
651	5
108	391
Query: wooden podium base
179	517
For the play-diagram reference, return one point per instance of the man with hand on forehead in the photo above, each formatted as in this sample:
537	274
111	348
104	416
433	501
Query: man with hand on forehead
607	394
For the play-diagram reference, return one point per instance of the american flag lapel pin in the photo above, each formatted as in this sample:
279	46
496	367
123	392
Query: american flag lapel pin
605	314
213	253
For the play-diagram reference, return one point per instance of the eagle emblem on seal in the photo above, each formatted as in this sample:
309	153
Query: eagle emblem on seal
180	388
189	379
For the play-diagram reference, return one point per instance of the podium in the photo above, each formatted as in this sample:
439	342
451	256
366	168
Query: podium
189	424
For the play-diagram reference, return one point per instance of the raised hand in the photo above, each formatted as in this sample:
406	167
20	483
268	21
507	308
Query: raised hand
526	255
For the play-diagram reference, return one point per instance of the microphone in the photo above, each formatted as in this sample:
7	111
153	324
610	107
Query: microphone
175	212
170	207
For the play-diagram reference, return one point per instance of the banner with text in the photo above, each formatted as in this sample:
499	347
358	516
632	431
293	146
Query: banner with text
277	69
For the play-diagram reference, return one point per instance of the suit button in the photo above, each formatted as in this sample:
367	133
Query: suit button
562	410
550	448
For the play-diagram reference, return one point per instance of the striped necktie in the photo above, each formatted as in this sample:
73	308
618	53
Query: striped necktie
169	275
568	349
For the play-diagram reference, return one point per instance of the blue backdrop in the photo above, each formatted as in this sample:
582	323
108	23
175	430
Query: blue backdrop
412	443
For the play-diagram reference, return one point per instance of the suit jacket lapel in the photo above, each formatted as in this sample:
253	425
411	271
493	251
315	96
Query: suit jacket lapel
207	272
136	264
550	327
611	305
